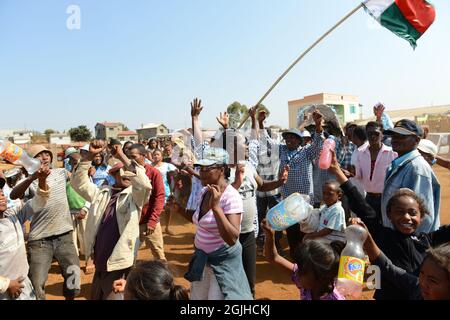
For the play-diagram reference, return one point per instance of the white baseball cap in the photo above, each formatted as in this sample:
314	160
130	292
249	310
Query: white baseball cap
428	146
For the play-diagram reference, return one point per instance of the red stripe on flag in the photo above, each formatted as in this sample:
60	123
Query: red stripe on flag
419	13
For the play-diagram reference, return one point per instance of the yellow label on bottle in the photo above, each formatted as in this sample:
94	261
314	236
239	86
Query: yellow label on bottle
12	153
352	269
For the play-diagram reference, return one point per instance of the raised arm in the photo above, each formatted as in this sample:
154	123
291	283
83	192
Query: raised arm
314	149
356	201
266	186
196	109
270	249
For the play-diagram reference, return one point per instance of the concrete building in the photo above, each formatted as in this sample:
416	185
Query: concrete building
22	136
108	130
60	139
7	134
152	130
125	136
347	107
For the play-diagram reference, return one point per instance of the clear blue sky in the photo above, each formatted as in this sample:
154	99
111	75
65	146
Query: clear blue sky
143	61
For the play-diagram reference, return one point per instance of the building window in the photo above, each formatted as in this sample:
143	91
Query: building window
111	129
352	109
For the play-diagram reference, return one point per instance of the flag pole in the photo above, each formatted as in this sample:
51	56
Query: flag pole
302	56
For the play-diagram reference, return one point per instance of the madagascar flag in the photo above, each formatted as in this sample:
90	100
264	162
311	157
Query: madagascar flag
409	19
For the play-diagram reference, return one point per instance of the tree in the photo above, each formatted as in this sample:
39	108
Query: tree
48	133
237	112
81	133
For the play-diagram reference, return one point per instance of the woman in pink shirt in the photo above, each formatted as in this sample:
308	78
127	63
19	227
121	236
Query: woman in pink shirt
216	270
372	163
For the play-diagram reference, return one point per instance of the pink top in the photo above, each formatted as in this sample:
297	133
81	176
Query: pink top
363	168
307	295
207	237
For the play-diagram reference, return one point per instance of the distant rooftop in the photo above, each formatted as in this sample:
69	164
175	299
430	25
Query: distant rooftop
110	124
127	133
152	125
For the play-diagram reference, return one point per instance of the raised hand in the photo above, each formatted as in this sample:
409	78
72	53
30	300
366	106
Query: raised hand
215	195
252	112
224	119
378	110
43	172
96	147
317	117
334	167
196	107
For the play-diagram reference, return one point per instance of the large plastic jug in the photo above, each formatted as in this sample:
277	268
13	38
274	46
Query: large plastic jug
326	156
16	155
290	211
352	265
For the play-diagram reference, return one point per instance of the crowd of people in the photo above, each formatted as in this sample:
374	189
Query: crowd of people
108	199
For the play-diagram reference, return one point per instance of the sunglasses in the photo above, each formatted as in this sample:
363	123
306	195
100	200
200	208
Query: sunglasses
2	183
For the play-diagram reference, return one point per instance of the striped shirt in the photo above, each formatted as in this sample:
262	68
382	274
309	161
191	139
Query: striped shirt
55	218
207	237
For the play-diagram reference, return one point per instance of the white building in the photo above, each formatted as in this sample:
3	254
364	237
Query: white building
60	139
347	107
22	136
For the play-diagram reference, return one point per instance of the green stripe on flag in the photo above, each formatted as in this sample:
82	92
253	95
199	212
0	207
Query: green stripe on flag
393	19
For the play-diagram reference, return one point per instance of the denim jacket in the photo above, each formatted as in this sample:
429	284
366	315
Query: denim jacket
414	173
226	263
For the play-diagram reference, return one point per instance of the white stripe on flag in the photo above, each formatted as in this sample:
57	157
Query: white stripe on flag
377	7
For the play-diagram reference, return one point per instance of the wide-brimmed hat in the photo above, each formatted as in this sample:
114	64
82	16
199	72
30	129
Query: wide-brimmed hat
213	156
34	151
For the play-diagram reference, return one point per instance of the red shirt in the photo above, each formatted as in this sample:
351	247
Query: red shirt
152	210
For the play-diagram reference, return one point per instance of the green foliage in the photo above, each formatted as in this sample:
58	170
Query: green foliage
81	133
237	112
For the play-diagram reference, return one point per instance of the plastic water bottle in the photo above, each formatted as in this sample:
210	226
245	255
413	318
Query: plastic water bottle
17	155
326	156
352	265
290	211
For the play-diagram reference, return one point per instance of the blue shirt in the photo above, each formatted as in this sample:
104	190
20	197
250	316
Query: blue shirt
413	172
102	176
300	161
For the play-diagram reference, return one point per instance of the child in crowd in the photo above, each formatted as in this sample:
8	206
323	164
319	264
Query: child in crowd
433	282
403	245
150	280
167	171
315	269
332	215
14	281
